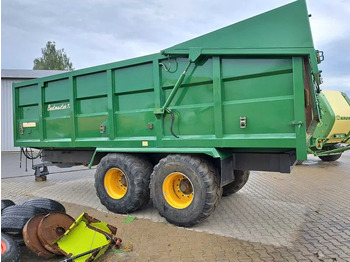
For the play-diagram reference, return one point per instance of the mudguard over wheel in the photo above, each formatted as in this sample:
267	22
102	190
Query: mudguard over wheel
10	251
185	189
122	182
330	158
241	178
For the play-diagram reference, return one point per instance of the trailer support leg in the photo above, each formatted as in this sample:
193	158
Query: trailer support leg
41	171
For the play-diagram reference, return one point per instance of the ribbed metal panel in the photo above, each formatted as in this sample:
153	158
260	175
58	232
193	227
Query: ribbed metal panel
9	76
7	115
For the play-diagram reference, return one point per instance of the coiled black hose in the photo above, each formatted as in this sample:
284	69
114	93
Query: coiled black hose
29	153
172	122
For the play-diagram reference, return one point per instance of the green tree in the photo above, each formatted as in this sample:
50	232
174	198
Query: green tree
52	59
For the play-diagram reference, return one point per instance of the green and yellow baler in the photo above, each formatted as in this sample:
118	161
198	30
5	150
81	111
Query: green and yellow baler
332	135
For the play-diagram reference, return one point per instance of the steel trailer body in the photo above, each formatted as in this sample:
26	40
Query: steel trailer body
246	95
112	106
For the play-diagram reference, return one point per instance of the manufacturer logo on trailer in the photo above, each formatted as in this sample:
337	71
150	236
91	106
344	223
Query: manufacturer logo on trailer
58	107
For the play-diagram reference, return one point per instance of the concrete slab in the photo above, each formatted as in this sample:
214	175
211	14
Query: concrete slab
301	213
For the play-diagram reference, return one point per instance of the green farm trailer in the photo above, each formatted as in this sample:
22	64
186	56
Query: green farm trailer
185	125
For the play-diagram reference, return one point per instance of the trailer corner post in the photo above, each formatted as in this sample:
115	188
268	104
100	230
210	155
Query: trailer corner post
41	110
15	113
299	111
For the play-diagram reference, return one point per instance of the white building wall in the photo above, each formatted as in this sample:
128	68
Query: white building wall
8	77
7	115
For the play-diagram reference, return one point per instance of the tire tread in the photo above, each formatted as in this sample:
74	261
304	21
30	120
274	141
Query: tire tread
140	171
6	203
209	176
330	158
13	224
22	210
241	178
46	204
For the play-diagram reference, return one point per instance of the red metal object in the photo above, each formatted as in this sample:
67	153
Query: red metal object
30	237
3	247
51	228
117	242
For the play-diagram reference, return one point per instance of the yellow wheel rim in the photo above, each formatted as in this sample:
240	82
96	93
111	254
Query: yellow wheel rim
115	183
178	190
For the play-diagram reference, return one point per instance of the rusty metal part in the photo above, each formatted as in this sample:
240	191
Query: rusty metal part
51	228
30	237
95	220
90	219
112	228
117	241
88	237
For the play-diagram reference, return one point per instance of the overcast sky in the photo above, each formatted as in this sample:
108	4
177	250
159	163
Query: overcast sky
94	32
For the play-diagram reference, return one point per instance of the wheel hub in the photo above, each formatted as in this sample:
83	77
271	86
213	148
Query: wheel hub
122	181
185	186
178	190
116	183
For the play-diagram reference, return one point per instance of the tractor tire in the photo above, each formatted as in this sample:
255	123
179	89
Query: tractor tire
122	182
10	251
6	203
13	224
241	178
185	189
46	204
330	158
22	211
14	218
